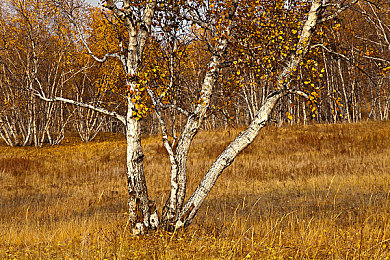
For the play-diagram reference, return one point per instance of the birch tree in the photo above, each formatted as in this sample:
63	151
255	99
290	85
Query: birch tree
219	21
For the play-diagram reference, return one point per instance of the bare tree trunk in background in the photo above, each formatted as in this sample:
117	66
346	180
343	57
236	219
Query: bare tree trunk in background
345	96
329	100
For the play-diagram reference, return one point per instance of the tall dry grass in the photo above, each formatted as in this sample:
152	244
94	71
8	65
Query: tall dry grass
315	192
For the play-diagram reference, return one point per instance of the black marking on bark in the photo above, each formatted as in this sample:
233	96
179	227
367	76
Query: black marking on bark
152	206
132	195
187	213
139	157
139	215
273	93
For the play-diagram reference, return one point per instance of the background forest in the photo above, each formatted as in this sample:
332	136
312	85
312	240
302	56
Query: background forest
346	71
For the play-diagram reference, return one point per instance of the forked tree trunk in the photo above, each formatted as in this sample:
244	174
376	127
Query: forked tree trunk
226	158
246	137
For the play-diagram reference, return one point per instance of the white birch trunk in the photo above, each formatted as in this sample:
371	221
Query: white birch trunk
142	212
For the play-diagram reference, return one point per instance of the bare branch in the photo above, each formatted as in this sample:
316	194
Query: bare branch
375	58
181	110
68	11
298	92
158	104
81	104
338	12
100	60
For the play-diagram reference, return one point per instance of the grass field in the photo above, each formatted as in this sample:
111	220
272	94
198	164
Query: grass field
314	192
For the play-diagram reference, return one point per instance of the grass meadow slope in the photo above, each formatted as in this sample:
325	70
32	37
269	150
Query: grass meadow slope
314	192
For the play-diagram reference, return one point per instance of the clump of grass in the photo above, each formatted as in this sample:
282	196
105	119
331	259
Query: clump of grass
314	192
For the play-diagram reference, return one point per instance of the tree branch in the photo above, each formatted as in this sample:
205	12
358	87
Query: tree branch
127	17
339	11
81	104
345	58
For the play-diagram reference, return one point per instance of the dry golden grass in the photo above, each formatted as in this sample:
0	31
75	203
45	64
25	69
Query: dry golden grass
315	192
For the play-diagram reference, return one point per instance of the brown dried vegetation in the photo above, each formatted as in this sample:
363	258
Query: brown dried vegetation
315	192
